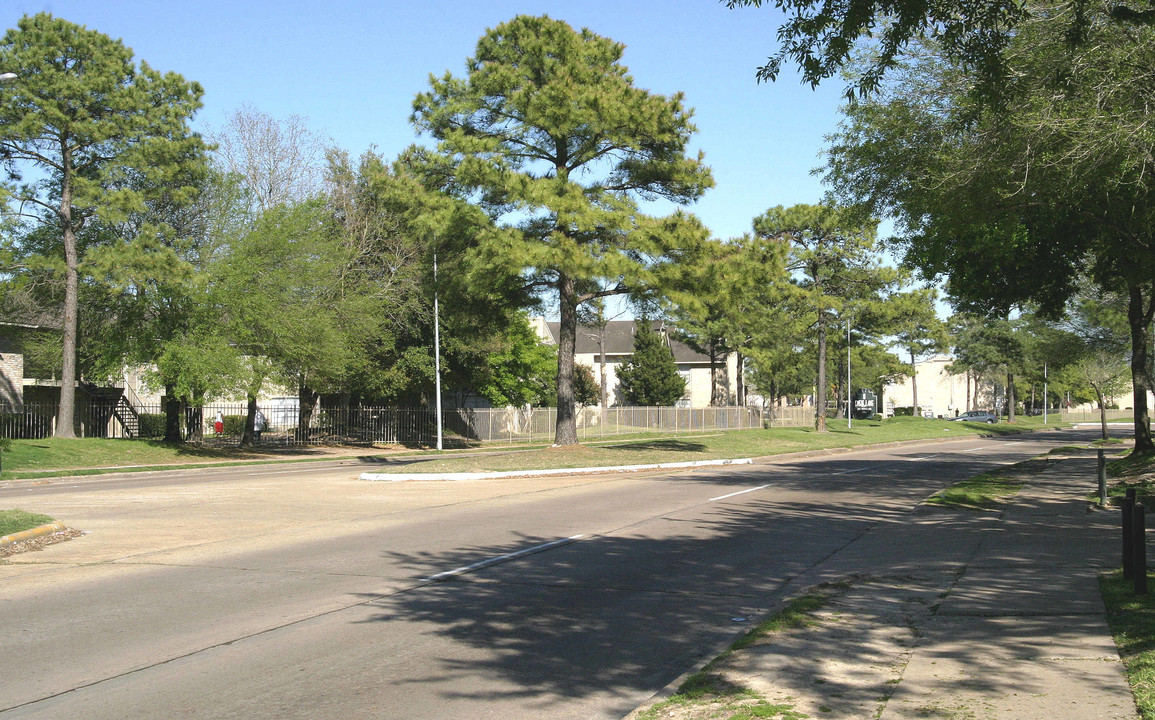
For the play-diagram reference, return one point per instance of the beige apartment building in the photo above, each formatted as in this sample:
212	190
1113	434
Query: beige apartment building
617	342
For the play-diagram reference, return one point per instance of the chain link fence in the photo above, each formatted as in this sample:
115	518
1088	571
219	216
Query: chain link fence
390	425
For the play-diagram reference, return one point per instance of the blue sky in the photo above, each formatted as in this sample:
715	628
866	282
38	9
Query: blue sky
352	67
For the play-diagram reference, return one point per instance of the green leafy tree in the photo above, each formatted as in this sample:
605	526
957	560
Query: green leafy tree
88	137
288	302
586	389
650	377
993	345
833	258
523	371
706	309
730	298
1018	204
820	37
1106	374
917	329
593	318
548	129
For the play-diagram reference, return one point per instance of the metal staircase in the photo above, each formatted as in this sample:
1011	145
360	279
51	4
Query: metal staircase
128	416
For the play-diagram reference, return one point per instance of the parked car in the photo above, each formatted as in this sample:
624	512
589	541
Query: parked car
978	416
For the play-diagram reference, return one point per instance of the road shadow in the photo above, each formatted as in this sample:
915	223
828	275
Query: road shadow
618	616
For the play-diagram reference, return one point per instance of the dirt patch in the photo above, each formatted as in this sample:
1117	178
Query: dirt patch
39	543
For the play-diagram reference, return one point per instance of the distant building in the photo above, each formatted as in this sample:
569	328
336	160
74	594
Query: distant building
941	393
617	341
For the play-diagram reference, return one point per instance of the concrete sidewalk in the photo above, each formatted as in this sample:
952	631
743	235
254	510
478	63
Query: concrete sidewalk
1023	632
951	614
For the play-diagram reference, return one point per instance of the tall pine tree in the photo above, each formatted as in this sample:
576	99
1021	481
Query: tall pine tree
650	376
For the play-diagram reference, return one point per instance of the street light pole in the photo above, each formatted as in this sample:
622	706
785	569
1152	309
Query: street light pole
849	395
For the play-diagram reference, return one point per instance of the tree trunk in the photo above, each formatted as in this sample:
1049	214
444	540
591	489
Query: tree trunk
195	425
306	398
740	369
171	415
820	391
1139	315
773	400
566	430
1010	397
250	416
841	406
715	390
66	414
605	393
1102	411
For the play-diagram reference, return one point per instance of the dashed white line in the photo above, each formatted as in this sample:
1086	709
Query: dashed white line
852	470
740	492
502	558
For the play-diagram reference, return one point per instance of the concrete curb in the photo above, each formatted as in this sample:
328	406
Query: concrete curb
443	477
33	533
449	477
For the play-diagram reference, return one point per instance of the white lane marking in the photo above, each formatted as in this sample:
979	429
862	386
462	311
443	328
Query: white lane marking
984	447
740	492
1017	442
854	470
919	459
502	558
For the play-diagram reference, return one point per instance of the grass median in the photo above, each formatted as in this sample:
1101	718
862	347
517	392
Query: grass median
40	458
710	446
14	521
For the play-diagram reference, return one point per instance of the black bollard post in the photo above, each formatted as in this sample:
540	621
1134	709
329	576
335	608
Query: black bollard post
1102	479
1139	563
1128	535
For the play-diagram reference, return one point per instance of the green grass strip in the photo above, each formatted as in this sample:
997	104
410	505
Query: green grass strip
1132	621
14	521
707	687
989	490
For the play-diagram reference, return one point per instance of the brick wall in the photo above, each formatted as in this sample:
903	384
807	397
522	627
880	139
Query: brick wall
11	379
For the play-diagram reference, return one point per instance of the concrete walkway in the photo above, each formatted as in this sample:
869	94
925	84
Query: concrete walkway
949	614
1023	632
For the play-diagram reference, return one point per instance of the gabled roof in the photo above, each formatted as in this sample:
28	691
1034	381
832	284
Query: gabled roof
619	340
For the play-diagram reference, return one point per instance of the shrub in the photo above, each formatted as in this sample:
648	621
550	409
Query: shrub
235	425
152	425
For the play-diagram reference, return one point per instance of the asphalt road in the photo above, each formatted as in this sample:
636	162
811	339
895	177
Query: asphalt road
304	592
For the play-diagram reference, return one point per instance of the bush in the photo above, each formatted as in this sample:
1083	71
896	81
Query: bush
235	425
152	425
904	412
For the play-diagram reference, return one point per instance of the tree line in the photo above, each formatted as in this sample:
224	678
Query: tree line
258	254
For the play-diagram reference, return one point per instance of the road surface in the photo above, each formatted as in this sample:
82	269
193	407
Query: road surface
305	592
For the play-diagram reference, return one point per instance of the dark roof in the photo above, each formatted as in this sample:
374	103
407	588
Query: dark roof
619	340
26	315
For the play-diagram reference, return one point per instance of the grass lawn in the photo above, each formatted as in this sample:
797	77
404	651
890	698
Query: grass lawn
14	521
55	456
91	456
711	446
1132	620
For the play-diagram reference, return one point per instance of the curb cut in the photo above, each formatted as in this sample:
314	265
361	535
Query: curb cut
33	533
409	477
